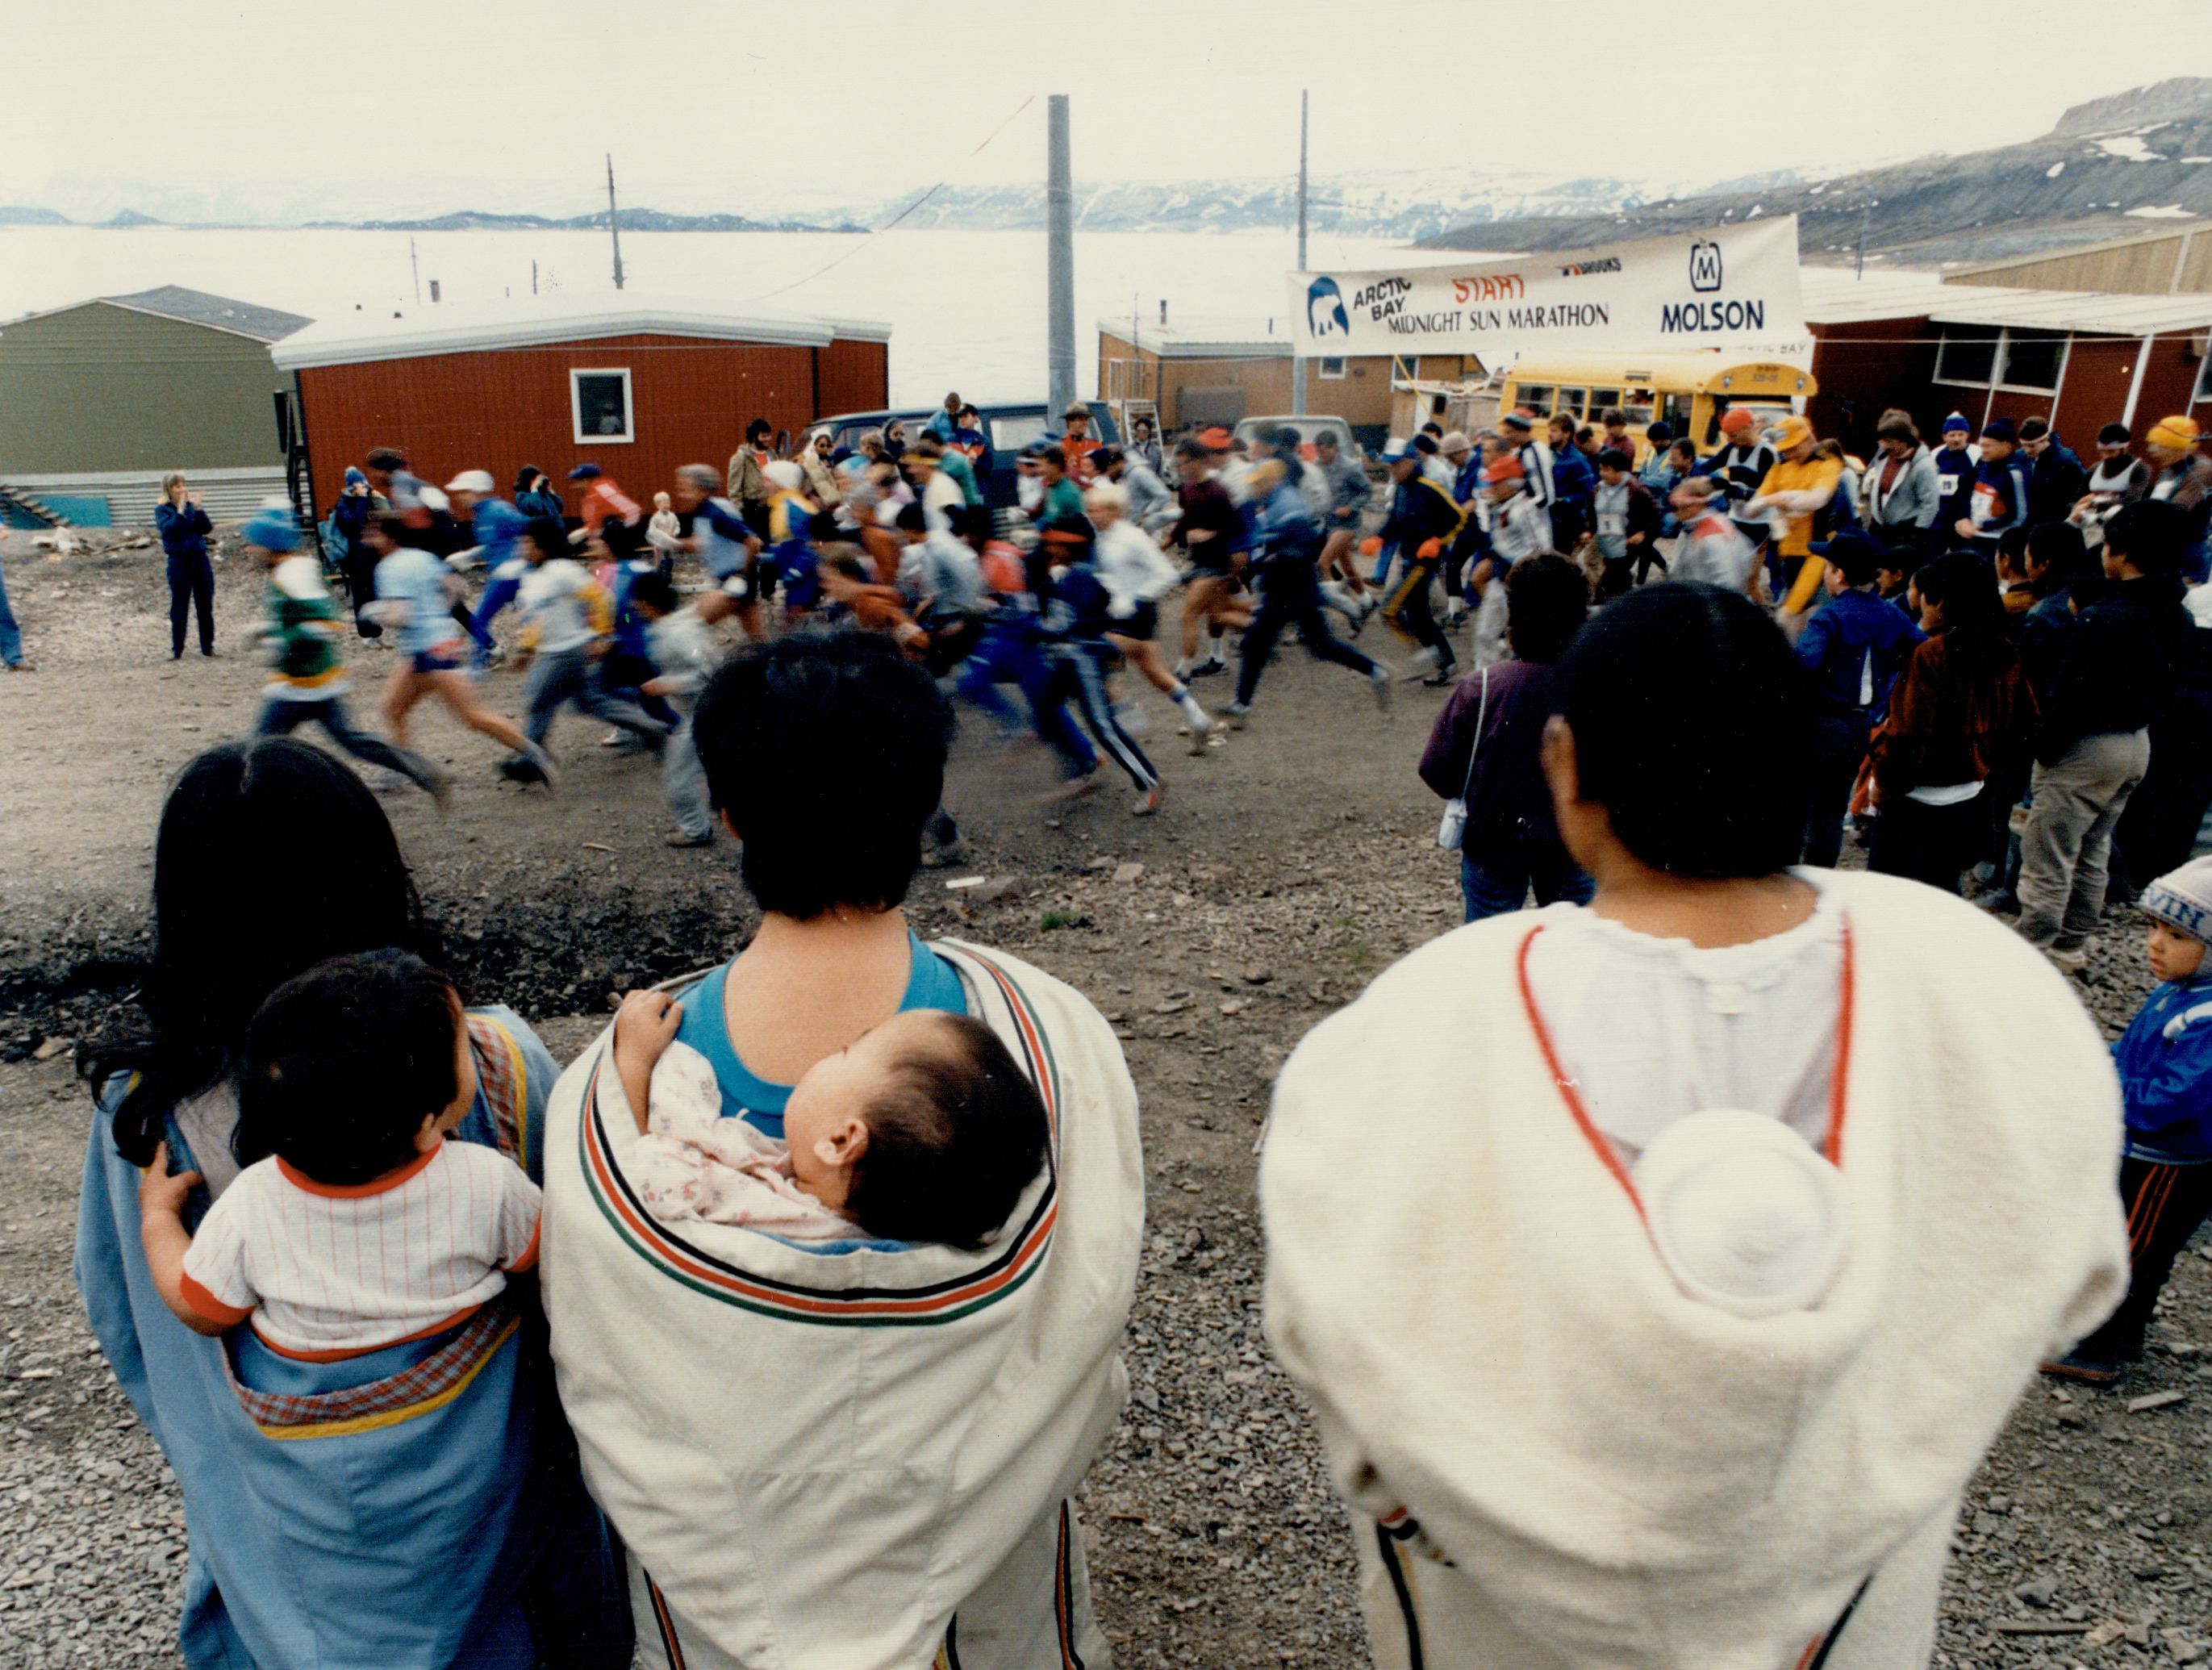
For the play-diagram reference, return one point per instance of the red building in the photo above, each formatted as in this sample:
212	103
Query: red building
636	384
2081	358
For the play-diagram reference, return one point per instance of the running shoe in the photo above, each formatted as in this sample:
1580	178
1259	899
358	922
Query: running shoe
1236	713
1200	729
1380	680
1149	801
2069	951
1075	788
441	786
1208	667
533	755
679	838
1447	672
1425	663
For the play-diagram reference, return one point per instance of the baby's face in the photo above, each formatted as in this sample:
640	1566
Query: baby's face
835	1089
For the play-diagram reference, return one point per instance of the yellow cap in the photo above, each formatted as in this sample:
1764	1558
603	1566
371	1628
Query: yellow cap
1792	431
2177	435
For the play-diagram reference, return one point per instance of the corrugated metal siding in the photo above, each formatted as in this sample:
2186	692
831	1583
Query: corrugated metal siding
2140	266
856	376
227	495
102	388
504	408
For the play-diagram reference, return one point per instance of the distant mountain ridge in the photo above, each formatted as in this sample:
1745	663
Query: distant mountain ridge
464	220
2113	166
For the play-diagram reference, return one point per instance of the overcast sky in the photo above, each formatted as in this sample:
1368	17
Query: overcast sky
276	109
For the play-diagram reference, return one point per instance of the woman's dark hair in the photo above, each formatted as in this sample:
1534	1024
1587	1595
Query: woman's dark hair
1963	584
1897	424
1689	712
1547	601
953	1142
526	478
1614	458
826	750
549	536
342	1065
271	857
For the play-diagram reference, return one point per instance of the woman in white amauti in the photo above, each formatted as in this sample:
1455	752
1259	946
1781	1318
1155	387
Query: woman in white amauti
1660	1270
850	1454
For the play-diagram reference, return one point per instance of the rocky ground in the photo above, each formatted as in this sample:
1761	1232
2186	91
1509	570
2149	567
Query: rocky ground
1290	866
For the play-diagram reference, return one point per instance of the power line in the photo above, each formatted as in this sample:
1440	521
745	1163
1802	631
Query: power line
897	218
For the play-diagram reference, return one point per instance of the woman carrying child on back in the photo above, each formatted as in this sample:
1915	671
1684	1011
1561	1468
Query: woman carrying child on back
1638	1258
378	1480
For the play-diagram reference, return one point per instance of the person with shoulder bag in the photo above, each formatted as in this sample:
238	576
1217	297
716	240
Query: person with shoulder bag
1487	744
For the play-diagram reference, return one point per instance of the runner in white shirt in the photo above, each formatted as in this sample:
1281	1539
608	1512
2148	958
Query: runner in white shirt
565	612
360	1226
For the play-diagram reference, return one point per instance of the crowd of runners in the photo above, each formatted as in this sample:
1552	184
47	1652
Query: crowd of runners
842	1238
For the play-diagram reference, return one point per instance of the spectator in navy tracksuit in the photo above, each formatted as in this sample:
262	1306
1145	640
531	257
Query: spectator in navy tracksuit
1999	498
2056	479
1574	484
1854	647
1955	462
184	528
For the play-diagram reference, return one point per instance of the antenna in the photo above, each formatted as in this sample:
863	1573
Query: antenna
414	269
614	230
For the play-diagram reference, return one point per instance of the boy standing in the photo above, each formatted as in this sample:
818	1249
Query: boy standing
2164	1061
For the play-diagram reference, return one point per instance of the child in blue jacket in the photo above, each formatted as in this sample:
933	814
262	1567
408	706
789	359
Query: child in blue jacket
2165	1059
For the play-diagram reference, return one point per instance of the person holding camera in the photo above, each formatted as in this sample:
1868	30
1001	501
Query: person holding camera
184	527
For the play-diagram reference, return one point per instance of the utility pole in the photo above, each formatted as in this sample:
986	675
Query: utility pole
1059	263
1298	342
414	267
614	229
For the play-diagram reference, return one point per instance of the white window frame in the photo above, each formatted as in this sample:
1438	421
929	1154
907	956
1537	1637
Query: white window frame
1996	344
576	374
2202	391
2059	377
1323	371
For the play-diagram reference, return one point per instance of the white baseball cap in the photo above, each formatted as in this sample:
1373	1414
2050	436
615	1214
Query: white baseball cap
471	481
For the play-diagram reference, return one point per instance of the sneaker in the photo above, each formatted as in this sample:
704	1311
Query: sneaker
1200	728
1425	663
1236	713
614	738
1447	672
1380	680
2089	1370
679	838
1075	788
440	788
946	856
1149	801
2069	951
1206	669
21	666
1455	617
533	755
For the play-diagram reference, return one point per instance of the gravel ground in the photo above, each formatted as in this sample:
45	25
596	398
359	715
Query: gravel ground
1215	1539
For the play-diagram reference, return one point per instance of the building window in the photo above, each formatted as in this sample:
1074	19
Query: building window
2033	360
599	402
1332	367
1968	355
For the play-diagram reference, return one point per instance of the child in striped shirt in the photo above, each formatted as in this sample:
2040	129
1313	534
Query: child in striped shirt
354	1225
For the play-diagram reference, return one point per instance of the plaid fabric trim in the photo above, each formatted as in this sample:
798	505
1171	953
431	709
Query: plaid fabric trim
435	1379
499	1076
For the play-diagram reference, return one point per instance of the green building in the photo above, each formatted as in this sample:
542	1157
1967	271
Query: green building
99	398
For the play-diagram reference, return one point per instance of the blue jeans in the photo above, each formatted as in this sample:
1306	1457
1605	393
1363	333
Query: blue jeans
496	597
1496	882
11	638
1003	656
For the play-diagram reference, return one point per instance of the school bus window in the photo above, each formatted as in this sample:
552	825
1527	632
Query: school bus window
1600	399
1537	396
1573	399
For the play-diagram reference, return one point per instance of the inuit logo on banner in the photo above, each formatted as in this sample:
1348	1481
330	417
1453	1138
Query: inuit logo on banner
1325	315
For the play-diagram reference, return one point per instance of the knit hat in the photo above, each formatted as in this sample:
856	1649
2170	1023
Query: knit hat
272	529
2000	429
1519	418
2182	898
584	472
2176	434
354	477
1957	420
1455	441
1735	420
1746	1216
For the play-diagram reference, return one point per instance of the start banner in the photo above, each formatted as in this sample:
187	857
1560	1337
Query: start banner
1731	287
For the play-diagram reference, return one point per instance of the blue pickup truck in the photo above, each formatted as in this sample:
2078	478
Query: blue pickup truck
1010	428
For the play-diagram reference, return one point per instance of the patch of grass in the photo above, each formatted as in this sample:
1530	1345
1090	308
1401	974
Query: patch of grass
1063	918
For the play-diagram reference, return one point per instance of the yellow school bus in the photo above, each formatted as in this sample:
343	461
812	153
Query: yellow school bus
1689	391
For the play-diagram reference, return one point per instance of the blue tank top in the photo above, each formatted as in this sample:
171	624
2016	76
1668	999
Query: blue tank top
934	984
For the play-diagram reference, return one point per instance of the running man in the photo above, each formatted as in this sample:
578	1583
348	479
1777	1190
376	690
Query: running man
566	615
1137	574
725	545
308	679
1424	520
1349	490
414	601
1289	536
1212	533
